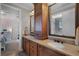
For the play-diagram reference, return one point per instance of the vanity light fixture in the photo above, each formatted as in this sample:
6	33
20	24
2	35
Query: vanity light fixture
57	16
32	12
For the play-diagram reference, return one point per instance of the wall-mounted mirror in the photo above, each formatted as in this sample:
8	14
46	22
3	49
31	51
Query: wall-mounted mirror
32	25
62	20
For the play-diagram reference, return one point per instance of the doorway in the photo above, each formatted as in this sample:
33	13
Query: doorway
10	26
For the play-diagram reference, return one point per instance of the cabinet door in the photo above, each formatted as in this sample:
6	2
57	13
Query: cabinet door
38	25
43	51
41	20
23	43
27	46
33	48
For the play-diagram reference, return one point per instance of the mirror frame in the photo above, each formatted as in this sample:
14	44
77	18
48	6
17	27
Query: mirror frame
73	37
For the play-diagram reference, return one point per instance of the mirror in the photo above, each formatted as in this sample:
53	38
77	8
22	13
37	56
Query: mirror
32	25
62	20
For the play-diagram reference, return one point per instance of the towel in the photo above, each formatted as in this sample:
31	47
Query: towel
77	37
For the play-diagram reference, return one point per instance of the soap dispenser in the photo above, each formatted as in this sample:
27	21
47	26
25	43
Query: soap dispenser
77	37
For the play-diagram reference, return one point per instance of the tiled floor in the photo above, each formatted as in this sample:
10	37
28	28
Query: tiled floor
14	53
22	53
13	50
9	53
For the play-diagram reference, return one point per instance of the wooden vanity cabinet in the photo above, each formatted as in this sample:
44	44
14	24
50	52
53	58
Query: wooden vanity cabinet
41	20
43	51
33	48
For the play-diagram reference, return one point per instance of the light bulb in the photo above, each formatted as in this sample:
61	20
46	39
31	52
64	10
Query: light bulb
2	12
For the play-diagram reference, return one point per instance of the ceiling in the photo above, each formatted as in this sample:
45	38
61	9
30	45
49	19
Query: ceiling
27	6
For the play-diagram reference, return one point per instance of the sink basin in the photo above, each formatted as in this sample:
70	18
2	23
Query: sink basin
56	45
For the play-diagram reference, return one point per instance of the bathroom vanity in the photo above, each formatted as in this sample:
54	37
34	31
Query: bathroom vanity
36	47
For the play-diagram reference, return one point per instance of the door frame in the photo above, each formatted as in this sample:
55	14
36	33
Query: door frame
19	13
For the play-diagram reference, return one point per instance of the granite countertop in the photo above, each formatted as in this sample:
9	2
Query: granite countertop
64	48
